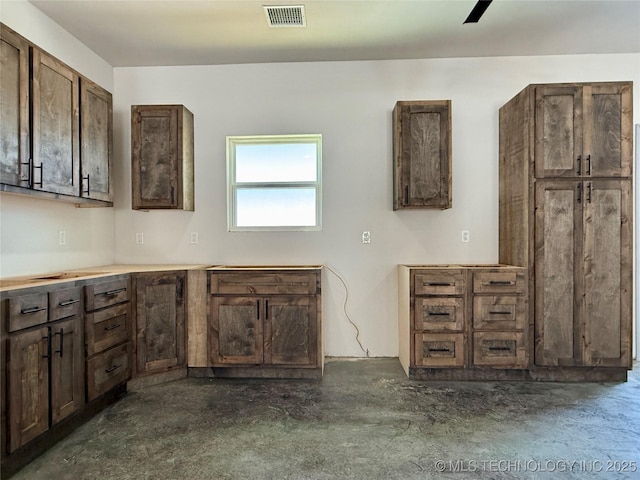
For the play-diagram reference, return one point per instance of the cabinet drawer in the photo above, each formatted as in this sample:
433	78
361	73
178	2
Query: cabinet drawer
499	282
27	311
439	313
499	313
439	283
439	349
64	303
104	294
107	370
106	328
264	283
499	349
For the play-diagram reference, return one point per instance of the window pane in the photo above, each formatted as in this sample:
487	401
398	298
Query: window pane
276	162
276	207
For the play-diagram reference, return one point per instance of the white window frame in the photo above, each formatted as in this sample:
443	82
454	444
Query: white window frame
232	184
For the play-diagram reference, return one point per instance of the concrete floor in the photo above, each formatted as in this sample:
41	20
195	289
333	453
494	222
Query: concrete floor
364	420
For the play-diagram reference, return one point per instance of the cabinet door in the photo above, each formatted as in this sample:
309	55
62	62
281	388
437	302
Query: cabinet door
608	273
422	144
559	132
96	127
56	147
28	386
608	130
236	331
160	329
67	368
290	331
558	274
14	109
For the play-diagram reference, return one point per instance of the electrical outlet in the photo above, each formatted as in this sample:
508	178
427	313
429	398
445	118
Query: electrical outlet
62	237
366	237
139	238
194	237
465	236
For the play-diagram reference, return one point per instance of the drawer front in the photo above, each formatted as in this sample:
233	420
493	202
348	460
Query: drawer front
106	328
107	370
512	281
105	294
27	311
64	303
499	313
439	313
439	349
499	349
439	282
264	283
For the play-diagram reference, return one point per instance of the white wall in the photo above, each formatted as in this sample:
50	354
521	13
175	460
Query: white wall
350	104
29	227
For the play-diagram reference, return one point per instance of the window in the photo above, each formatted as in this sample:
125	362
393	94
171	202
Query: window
274	182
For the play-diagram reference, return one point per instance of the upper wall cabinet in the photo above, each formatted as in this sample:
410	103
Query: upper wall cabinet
47	108
422	154
161	157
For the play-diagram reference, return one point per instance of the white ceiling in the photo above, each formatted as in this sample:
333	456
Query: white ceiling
210	32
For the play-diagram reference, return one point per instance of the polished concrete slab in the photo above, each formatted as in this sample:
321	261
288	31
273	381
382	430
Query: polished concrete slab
364	420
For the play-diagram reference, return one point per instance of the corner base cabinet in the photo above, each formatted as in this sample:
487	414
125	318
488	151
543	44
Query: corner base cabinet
265	323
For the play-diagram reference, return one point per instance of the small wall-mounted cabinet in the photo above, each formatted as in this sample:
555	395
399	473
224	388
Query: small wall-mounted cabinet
47	107
161	157
422	154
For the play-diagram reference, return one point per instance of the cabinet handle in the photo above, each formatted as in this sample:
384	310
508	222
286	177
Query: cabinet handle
501	282
439	284
499	349
115	292
88	190
112	369
48	339
61	350
111	327
589	192
258	309
433	314
579	193
68	302
172	195
588	164
439	350
499	313
28	311
579	165
266	309
405	198
41	175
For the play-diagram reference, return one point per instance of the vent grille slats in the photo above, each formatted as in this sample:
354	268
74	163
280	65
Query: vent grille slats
285	16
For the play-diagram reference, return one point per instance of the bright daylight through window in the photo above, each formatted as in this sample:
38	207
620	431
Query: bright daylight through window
274	182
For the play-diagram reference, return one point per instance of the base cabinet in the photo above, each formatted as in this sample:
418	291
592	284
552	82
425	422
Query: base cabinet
270	331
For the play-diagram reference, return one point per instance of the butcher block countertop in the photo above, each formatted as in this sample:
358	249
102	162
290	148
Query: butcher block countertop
52	278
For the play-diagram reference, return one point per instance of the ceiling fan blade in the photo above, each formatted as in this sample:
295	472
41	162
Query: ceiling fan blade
478	11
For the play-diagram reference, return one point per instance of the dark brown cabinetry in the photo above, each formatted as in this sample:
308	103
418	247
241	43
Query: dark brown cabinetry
268	320
566	212
47	107
161	157
422	154
160	321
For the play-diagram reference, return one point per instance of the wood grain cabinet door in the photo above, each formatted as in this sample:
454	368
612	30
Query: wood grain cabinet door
14	109
558	272
235	333
67	368
160	317
290	331
56	146
608	271
96	128
422	154
28	386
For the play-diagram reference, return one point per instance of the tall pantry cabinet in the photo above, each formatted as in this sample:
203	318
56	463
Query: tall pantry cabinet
566	213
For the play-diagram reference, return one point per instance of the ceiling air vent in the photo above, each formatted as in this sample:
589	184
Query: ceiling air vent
285	16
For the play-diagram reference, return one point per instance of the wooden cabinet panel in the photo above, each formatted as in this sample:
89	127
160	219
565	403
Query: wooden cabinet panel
290	331
499	349
160	322
422	154
283	283
55	130
106	328
103	294
236	331
67	368
438	313
14	109
107	370
27	311
499	282
505	312
28	382
449	282
65	303
439	349
96	127
161	157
